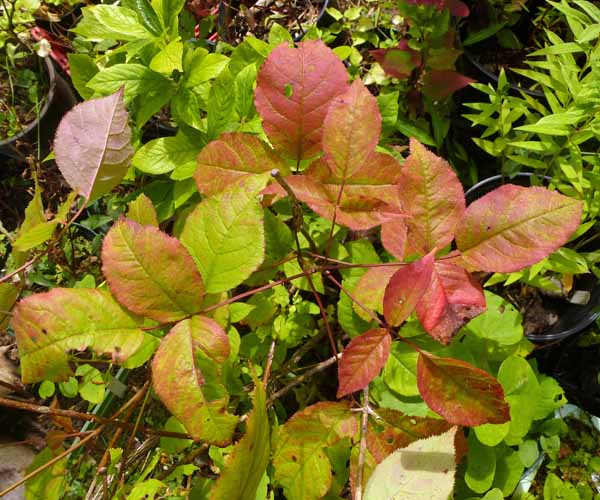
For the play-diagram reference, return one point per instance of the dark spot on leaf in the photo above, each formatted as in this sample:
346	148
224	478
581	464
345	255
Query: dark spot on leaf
390	440
488	228
44	331
294	458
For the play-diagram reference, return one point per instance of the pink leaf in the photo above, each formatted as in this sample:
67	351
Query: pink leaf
398	62
406	288
93	145
432	196
439	84
231	157
453	298
362	360
294	91
394	237
151	273
514	227
457	8
351	130
460	392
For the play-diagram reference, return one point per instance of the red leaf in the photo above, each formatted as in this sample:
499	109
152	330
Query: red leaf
363	359
231	157
433	197
351	130
394	237
398	62
457	8
439	84
460	392
294	90
406	288
453	298
514	227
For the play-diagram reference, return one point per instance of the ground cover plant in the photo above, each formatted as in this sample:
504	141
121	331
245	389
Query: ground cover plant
309	252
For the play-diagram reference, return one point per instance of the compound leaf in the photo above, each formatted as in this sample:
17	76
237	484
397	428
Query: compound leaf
294	89
362	360
460	392
514	227
93	145
151	273
48	325
186	375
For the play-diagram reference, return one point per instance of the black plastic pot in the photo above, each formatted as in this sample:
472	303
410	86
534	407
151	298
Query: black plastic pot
575	318
60	100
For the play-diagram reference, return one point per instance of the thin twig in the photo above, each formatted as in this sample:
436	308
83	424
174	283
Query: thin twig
316	369
364	422
270	356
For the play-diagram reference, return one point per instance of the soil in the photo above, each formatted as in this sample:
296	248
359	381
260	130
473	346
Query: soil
577	447
243	18
18	91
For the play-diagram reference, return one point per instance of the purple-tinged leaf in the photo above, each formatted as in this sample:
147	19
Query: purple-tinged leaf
351	130
231	157
93	145
301	465
457	8
453	298
48	325
433	197
399	61
151	273
186	375
362	360
439	84
514	227
460	392
405	289
294	90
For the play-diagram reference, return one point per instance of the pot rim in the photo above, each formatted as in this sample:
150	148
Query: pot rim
50	97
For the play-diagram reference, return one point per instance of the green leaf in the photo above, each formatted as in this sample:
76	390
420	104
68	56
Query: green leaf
93	145
147	16
528	452
51	482
225	234
110	22
204	67
46	389
508	470
168	12
247	463
400	371
244	91
278	34
501	322
83	69
174	445
138	80
48	325
301	464
481	465
169	59
150	272
91	387
148	488
165	154
424	470
186	375
9	294
142	211
220	105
